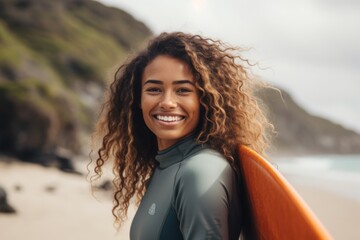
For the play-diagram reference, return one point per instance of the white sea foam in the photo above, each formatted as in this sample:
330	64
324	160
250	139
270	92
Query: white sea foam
339	174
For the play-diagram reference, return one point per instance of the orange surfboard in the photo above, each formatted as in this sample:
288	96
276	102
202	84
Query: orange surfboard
273	209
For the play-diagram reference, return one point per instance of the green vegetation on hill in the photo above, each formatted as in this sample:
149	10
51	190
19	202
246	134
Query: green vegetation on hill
54	62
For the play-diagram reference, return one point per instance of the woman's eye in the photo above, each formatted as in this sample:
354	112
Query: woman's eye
183	90
153	90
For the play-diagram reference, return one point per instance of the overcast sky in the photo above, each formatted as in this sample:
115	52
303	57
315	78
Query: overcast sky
311	47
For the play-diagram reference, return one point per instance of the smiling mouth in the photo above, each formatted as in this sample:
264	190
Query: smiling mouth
169	118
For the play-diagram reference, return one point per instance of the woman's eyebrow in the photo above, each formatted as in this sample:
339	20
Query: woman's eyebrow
153	81
183	82
174	82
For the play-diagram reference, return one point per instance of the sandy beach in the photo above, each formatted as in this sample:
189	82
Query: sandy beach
54	205
340	215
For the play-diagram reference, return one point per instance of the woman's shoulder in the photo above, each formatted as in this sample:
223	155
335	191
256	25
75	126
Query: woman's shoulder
207	163
204	172
208	155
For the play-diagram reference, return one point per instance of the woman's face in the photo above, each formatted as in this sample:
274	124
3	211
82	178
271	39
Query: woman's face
169	100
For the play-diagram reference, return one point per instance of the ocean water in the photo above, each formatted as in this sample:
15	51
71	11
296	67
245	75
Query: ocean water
339	174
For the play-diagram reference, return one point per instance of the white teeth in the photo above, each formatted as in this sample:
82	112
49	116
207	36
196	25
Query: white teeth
168	118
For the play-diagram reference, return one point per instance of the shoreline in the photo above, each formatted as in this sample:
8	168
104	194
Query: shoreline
328	184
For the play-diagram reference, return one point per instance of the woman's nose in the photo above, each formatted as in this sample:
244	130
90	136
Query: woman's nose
168	101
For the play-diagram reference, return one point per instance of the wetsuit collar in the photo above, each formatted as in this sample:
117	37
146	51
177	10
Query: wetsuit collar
179	151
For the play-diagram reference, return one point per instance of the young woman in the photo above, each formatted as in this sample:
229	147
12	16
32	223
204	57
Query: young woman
174	116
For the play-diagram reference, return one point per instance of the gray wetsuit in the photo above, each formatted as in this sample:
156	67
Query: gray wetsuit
192	194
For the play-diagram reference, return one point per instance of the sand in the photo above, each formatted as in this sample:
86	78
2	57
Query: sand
54	205
340	215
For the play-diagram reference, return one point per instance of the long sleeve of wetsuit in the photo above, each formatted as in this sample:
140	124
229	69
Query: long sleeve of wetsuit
203	194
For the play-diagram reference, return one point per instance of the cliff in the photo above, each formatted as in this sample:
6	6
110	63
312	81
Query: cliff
55	58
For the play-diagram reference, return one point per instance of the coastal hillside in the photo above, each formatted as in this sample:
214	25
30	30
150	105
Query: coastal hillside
55	60
301	133
56	57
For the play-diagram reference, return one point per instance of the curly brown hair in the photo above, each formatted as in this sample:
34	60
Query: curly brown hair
230	114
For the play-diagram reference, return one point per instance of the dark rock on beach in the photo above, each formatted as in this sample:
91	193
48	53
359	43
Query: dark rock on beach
50	189
4	205
62	162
